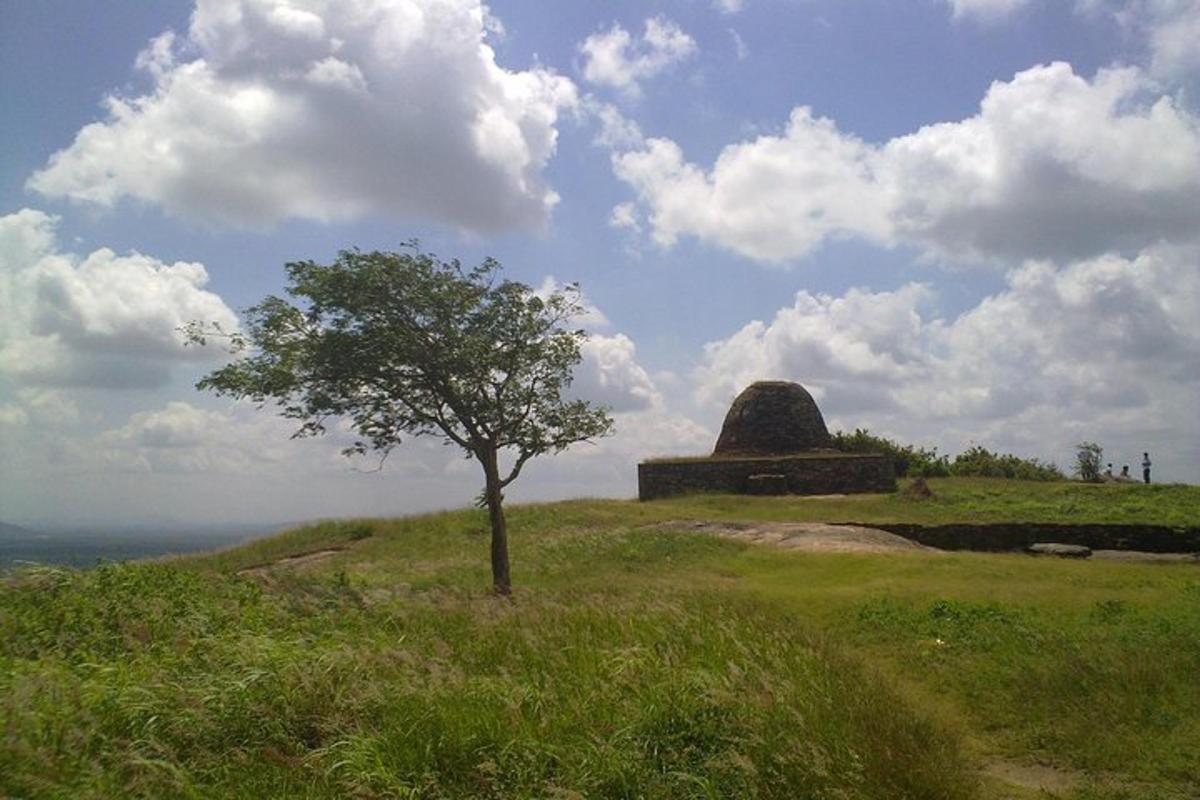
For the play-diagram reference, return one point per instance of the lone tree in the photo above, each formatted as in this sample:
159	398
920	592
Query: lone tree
404	344
1088	457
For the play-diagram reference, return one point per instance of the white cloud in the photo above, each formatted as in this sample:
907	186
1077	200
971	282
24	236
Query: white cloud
624	215
729	6
183	438
1174	36
987	10
1103	349
1170	30
772	199
325	110
616	131
48	408
101	320
1053	165
608	466
837	343
613	58
611	375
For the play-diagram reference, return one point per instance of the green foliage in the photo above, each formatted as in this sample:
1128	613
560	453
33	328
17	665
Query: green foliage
921	462
1088	458
405	344
983	463
908	460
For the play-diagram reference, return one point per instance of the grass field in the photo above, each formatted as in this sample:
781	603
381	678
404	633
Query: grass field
632	662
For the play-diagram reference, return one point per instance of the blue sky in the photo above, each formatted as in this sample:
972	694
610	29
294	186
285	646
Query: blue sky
955	221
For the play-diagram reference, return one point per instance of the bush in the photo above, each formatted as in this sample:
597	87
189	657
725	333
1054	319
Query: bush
981	462
922	462
908	460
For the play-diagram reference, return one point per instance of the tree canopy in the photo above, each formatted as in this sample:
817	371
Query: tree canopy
405	344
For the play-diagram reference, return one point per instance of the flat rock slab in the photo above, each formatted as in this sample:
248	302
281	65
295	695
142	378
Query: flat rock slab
810	537
1060	550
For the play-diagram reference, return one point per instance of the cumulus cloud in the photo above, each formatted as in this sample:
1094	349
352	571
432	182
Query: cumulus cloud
180	437
771	199
1169	30
101	320
608	466
838	343
323	110
1052	166
1173	30
614	58
611	375
614	130
242	439
1103	349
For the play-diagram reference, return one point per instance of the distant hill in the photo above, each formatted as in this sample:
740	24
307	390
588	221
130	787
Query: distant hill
14	531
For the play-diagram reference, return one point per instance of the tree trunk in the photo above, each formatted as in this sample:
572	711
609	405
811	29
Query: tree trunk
501	580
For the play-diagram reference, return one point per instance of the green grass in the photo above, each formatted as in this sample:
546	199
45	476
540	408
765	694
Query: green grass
976	500
633	662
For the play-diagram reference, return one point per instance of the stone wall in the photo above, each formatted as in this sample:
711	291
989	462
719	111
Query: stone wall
808	473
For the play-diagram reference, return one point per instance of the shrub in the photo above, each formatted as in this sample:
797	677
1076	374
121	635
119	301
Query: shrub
924	462
981	462
908	460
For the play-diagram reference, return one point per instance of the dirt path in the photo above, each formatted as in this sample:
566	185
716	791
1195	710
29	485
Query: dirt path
811	537
299	560
1037	780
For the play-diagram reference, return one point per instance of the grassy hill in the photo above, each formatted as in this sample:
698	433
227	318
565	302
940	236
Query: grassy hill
366	659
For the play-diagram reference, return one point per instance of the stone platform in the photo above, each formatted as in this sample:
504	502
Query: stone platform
803	473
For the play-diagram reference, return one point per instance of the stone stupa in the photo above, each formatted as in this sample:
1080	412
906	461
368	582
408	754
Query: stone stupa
772	418
773	441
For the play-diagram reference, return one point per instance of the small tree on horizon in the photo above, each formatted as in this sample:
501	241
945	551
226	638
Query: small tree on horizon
402	343
1088	457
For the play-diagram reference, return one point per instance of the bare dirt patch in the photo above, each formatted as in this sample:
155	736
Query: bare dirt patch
1047	781
809	537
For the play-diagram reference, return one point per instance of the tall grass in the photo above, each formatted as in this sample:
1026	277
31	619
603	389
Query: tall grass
634	662
148	680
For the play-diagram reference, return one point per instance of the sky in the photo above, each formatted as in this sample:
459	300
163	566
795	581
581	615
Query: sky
956	222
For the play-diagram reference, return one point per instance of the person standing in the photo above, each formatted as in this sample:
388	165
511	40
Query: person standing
1146	467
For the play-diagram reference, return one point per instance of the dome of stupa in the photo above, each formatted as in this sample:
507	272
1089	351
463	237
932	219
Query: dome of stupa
772	418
